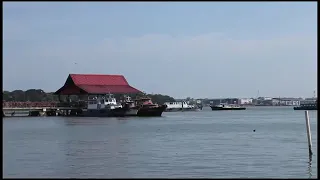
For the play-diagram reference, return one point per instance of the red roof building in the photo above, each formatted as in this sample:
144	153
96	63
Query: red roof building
77	84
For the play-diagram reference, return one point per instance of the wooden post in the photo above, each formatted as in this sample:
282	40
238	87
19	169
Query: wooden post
182	105
308	132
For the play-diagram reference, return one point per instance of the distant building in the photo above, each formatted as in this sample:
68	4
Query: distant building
286	101
311	99
245	101
265	98
308	101
215	101
198	101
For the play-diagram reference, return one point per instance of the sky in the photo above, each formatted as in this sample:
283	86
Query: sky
181	49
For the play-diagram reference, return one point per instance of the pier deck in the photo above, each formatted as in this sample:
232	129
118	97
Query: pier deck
37	108
38	111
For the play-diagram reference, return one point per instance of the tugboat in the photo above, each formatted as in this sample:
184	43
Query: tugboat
180	106
102	106
130	106
142	107
307	105
224	106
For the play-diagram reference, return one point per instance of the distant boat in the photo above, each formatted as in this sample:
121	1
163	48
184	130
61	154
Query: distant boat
311	104
223	106
102	106
142	106
180	106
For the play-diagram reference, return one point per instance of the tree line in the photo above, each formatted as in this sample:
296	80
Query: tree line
38	95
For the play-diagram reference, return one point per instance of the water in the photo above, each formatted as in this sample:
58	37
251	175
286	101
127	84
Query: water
208	144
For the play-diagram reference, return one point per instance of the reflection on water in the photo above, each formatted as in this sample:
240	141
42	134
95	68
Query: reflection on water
310	166
190	144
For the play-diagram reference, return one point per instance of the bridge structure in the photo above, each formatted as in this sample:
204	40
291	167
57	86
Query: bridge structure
36	108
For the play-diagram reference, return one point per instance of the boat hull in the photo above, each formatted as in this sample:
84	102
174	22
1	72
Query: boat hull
306	108
117	112
226	108
151	111
131	112
181	109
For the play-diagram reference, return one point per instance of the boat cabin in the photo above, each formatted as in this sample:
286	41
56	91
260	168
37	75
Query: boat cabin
129	101
183	104
226	105
309	102
144	101
101	102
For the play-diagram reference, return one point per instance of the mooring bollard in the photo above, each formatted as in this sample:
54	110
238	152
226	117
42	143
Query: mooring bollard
308	132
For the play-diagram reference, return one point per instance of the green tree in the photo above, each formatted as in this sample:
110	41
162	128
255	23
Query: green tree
36	95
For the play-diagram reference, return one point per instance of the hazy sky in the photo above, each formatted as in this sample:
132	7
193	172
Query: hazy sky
204	49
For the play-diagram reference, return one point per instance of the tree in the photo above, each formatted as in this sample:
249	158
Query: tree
38	95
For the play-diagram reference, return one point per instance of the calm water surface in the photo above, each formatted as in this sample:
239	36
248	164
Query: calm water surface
182	144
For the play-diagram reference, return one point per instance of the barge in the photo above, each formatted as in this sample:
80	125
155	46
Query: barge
224	106
311	104
180	106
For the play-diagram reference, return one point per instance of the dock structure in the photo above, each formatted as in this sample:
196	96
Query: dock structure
37	111
79	85
38	108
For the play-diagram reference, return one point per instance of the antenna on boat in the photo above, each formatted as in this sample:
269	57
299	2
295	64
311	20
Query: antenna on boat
109	94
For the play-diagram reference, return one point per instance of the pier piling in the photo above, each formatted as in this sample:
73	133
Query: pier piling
308	132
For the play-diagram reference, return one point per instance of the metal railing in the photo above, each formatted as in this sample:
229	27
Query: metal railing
28	104
79	104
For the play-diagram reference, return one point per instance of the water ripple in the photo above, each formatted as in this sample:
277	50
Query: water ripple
189	144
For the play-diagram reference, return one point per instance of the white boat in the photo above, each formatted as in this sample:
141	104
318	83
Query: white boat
101	106
180	106
225	106
101	102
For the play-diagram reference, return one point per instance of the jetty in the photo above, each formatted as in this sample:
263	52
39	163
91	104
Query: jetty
81	85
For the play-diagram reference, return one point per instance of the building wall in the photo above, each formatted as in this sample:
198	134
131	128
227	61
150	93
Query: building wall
285	102
307	101
245	101
215	101
291	103
312	99
264	98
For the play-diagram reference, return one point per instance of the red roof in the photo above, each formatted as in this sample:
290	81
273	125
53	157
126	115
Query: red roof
99	79
95	84
106	89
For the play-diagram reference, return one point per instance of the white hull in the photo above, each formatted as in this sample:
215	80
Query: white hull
181	109
179	106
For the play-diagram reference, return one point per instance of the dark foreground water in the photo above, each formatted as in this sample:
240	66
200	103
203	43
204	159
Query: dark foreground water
183	144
